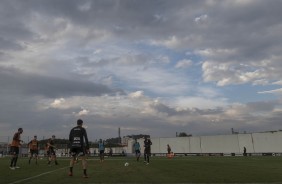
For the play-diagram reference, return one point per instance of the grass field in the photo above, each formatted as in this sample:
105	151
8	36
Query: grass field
160	170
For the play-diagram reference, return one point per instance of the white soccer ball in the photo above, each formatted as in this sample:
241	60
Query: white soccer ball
126	164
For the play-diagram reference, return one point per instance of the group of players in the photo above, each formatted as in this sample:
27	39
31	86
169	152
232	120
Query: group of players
79	146
33	146
147	150
49	147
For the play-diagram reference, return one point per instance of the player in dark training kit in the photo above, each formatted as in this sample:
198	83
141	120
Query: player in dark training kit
147	150
79	146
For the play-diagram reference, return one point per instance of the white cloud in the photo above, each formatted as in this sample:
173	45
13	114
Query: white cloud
171	42
97	51
83	112
85	7
201	19
236	110
198	102
137	94
227	73
183	63
278	82
160	18
275	91
57	103
213	54
108	48
261	82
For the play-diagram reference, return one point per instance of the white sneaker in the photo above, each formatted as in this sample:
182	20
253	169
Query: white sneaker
147	163
12	168
17	167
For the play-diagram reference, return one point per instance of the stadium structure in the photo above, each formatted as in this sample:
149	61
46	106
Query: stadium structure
264	143
256	144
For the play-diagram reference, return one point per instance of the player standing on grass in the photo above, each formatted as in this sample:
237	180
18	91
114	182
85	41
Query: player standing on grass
78	146
51	149
245	151
15	149
101	147
147	150
136	147
47	150
33	148
168	149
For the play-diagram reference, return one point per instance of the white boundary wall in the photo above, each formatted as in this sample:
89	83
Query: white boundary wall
269	142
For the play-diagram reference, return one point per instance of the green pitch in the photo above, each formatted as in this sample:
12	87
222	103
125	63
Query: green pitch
160	170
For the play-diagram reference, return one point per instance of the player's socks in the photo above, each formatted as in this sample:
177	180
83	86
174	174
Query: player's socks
84	173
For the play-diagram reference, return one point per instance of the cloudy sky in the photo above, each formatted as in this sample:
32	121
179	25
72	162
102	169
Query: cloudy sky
149	67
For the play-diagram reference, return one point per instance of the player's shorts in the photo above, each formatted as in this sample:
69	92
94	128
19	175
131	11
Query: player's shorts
147	151
52	152
77	151
137	152
14	150
102	152
34	152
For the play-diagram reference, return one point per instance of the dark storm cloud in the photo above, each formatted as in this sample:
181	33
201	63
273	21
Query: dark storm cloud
57	32
13	81
267	106
8	45
162	108
13	30
151	18
252	29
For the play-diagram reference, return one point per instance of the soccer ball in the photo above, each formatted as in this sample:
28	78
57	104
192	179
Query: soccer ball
126	164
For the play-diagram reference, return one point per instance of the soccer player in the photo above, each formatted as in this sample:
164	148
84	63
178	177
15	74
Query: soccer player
46	148
33	148
51	149
15	147
111	152
101	147
147	150
136	147
245	151
78	146
168	149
